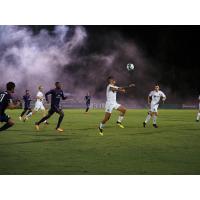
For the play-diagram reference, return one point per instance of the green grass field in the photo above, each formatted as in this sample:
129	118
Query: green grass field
173	148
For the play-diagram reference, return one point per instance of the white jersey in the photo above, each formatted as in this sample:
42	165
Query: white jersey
155	96
41	95
110	95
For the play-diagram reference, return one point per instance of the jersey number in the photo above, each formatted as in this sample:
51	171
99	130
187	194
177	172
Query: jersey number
1	97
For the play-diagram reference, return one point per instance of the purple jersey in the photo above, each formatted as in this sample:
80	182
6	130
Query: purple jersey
56	95
5	99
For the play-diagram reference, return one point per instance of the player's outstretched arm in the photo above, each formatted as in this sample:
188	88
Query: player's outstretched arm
129	86
12	105
47	94
63	97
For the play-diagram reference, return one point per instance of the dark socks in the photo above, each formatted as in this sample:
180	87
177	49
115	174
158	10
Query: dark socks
5	126
59	121
43	119
24	111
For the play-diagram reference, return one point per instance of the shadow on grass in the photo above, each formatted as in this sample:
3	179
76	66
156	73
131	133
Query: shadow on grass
36	141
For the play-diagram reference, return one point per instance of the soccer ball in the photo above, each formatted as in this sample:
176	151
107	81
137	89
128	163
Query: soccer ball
130	66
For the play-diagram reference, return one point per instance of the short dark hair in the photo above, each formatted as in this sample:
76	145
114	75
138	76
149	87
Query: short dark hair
10	86
110	78
56	83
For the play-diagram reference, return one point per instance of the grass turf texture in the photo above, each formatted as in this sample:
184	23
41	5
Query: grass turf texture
173	148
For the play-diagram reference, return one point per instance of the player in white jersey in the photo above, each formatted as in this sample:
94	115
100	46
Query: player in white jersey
111	103
154	99
39	103
198	114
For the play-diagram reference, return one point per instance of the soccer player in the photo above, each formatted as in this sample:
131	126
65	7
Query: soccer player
111	103
7	103
198	114
38	104
154	99
56	95
27	105
87	100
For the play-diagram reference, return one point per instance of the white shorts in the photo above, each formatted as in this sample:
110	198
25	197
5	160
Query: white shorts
154	108
110	106
39	106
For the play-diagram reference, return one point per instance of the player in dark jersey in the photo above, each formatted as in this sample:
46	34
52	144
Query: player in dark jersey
27	105
7	103
87	101
56	95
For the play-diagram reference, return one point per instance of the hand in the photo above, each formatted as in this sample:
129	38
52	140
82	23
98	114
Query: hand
123	90
132	85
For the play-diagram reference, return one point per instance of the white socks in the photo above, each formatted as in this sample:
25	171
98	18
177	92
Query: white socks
101	126
120	118
198	116
148	118
29	114
154	119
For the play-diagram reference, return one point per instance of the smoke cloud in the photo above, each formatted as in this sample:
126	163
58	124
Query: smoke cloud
66	54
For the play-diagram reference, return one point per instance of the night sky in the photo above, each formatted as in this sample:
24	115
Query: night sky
175	48
170	54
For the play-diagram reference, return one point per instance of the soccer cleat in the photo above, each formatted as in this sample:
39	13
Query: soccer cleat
37	126
155	126
59	129
120	124
144	124
101	131
20	118
197	120
25	118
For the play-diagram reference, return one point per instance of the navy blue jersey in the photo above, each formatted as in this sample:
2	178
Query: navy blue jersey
87	99
5	99
27	101
56	95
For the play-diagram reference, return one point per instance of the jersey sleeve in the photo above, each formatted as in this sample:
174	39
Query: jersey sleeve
151	94
113	86
48	93
163	95
62	95
9	99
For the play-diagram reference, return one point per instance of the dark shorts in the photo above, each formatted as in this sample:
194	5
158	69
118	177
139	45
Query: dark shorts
4	118
54	109
27	108
87	105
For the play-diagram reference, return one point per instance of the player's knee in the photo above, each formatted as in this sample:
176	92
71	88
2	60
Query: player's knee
11	122
62	114
124	111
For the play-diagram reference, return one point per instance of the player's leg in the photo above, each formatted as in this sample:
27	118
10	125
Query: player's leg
61	113
44	113
155	114
103	122
29	113
147	118
9	122
122	111
87	108
50	113
198	116
22	114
